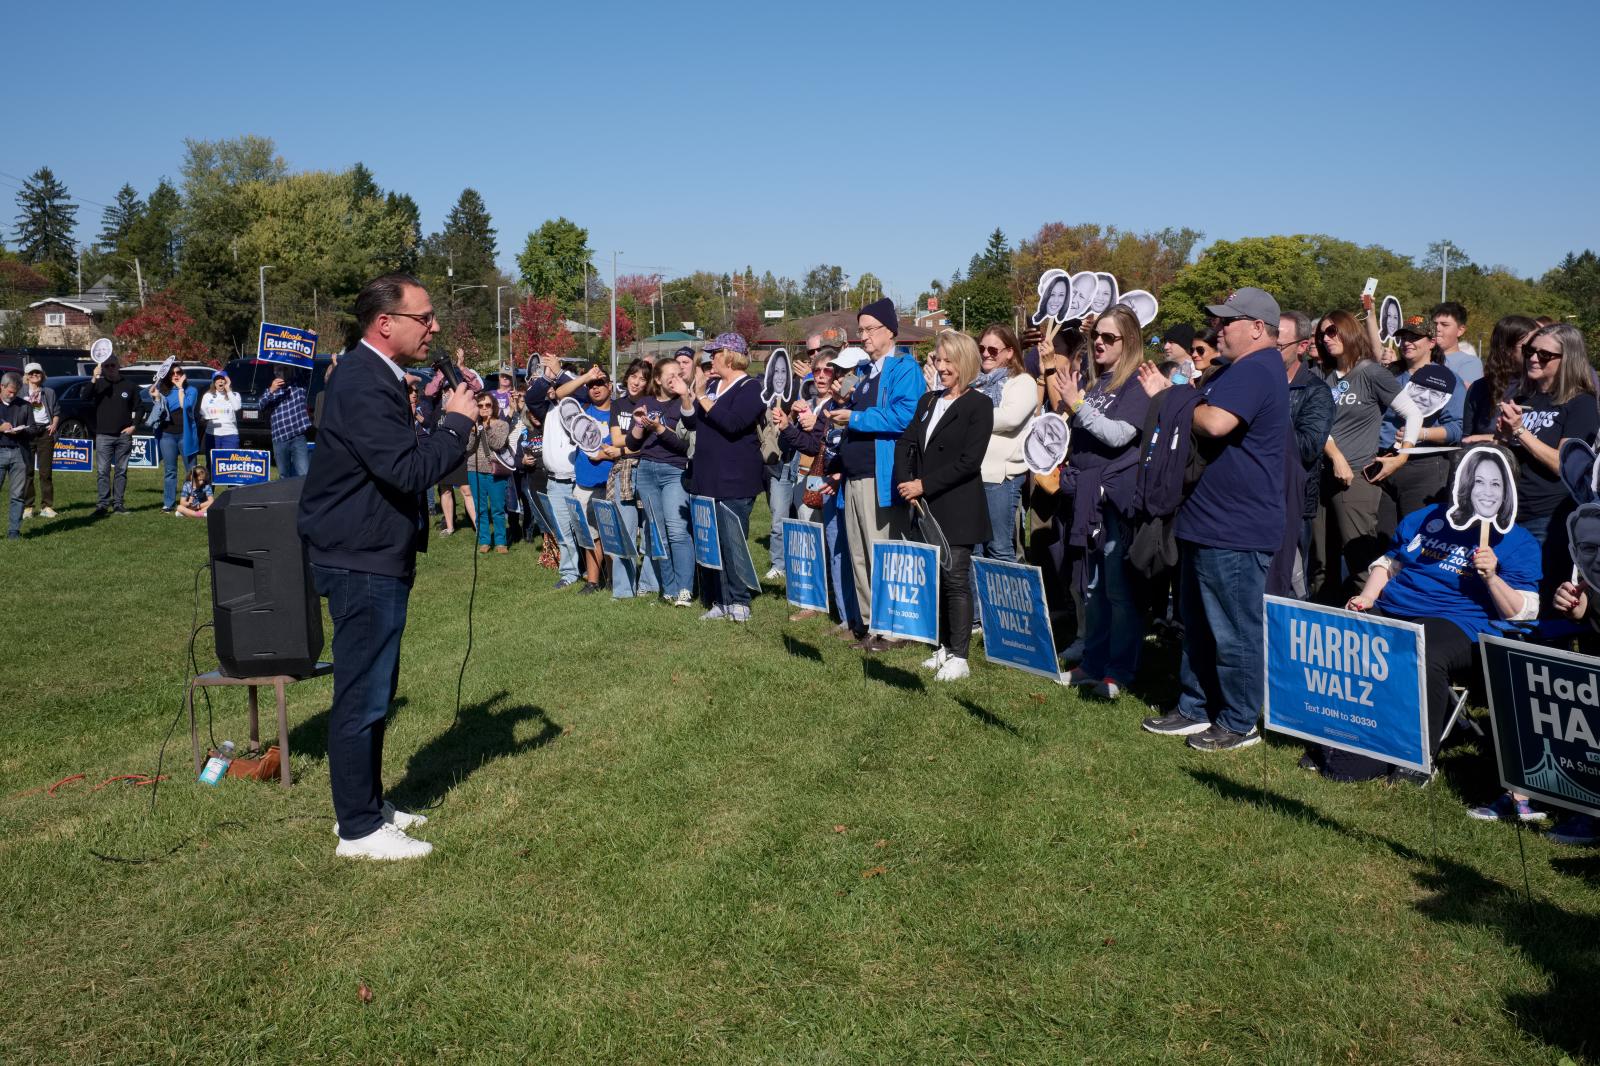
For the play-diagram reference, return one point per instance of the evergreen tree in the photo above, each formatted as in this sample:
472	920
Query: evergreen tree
118	219
997	255
44	226
363	187
469	234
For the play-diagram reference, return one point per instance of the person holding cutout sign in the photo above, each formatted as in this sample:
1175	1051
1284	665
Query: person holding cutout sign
1453	572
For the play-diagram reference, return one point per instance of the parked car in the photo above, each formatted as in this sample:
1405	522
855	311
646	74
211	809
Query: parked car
63	361
77	413
251	378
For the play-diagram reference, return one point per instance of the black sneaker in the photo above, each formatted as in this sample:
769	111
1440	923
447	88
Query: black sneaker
1173	725
119	510
1221	738
589	588
100	512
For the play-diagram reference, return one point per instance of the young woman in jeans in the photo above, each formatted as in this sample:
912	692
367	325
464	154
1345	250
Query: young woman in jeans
488	439
659	478
1014	394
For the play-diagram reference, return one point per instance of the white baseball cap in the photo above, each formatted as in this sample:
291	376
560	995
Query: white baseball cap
850	358
31	367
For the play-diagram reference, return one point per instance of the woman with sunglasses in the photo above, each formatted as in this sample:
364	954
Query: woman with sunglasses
591	472
1553	402
1102	469
488	441
1205	356
639	577
177	425
659	478
1014	394
1345	536
219	407
1501	370
46	412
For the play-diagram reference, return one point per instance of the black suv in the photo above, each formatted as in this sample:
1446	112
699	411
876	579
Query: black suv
251	378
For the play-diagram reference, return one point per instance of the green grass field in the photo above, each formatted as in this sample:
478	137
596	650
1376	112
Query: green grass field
666	840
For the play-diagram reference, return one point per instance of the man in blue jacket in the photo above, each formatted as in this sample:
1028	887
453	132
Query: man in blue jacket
880	410
363	516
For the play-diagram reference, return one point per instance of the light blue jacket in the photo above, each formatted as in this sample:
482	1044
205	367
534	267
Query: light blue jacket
900	385
189	401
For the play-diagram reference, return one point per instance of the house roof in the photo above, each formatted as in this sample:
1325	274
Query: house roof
76	305
672	335
778	332
578	327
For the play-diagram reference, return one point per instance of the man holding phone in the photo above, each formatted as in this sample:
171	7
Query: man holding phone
290	412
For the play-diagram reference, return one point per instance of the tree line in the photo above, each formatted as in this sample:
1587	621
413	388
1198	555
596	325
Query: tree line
238	221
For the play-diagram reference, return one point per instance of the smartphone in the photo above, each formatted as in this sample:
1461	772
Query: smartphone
1373	469
1370	287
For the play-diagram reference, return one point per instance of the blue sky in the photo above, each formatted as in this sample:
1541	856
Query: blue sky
889	138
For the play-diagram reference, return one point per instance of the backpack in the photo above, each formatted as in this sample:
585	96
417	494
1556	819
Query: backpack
1169	466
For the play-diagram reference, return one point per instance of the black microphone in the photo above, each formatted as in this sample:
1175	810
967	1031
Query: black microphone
448	370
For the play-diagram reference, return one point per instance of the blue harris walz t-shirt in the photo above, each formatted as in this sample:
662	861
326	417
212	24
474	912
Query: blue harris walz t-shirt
1238	502
1437	578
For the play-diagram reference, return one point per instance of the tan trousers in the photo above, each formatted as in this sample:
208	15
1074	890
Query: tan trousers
865	523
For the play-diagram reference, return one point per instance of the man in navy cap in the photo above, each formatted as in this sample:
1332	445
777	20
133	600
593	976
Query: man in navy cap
880	410
1229	528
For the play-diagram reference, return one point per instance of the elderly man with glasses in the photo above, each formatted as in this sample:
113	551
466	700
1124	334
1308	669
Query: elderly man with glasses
880	409
1229	528
16	431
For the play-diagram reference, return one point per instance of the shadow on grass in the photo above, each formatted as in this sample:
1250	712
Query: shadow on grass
1558	941
801	649
891	675
480	735
989	718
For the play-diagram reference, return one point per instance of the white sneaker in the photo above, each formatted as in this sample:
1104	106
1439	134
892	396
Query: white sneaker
1107	689
936	660
774	574
48	512
1072	654
738	612
384	844
394	816
954	669
27	512
716	614
683	599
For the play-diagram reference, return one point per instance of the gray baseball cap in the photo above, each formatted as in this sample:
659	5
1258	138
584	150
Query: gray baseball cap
1248	303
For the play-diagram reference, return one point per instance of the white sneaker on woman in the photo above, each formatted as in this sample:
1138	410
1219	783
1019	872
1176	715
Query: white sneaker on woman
394	816
936	660
384	844
954	669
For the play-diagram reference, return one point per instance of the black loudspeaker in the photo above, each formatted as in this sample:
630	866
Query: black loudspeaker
264	606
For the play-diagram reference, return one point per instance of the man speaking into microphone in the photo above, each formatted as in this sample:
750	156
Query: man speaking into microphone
363	516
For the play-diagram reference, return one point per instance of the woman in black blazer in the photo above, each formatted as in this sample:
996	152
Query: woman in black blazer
938	463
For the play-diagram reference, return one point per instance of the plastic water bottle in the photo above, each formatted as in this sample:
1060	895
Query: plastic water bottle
217	765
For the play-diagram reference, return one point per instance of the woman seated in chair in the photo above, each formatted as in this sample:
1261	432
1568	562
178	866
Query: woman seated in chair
1436	575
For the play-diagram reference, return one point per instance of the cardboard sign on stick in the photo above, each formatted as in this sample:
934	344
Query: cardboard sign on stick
1389	319
1485	493
1044	446
777	380
1054	289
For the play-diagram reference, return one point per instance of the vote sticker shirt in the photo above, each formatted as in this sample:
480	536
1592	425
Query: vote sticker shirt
1437	579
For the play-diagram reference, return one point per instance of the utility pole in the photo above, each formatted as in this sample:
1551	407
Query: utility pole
80	273
499	317
1444	270
613	316
138	272
963	314
262	277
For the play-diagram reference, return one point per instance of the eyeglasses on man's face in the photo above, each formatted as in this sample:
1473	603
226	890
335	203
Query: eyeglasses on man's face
426	318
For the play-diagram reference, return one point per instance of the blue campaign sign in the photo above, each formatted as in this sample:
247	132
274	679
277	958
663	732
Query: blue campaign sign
655	547
73	454
240	466
581	533
547	514
285	344
707	548
905	590
613	538
1015	617
1544	705
144	453
1350	681
805	564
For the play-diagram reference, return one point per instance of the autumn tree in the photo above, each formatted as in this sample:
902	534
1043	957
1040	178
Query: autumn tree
541	329
625	329
161	328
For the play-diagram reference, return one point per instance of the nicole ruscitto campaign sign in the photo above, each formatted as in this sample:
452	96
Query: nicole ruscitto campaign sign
805	564
1544	706
905	591
73	454
1347	680
285	344
1016	620
240	466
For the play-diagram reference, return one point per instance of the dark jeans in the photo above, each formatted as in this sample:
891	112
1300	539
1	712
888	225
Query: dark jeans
1221	673
291	456
955	601
1450	653
111	453
369	617
44	451
1418	483
736	581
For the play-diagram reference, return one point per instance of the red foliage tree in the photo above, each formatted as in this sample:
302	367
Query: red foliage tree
461	336
161	328
642	287
747	322
625	329
19	277
541	329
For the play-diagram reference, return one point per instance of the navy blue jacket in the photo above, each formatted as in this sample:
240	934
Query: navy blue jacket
727	452
364	505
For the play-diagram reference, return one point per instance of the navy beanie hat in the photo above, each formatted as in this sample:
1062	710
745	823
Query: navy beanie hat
883	311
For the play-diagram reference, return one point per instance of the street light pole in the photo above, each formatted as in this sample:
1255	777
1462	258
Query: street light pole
963	314
1444	270
614	316
261	276
498	318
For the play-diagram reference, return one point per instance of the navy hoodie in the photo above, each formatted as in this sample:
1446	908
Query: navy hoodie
364	505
